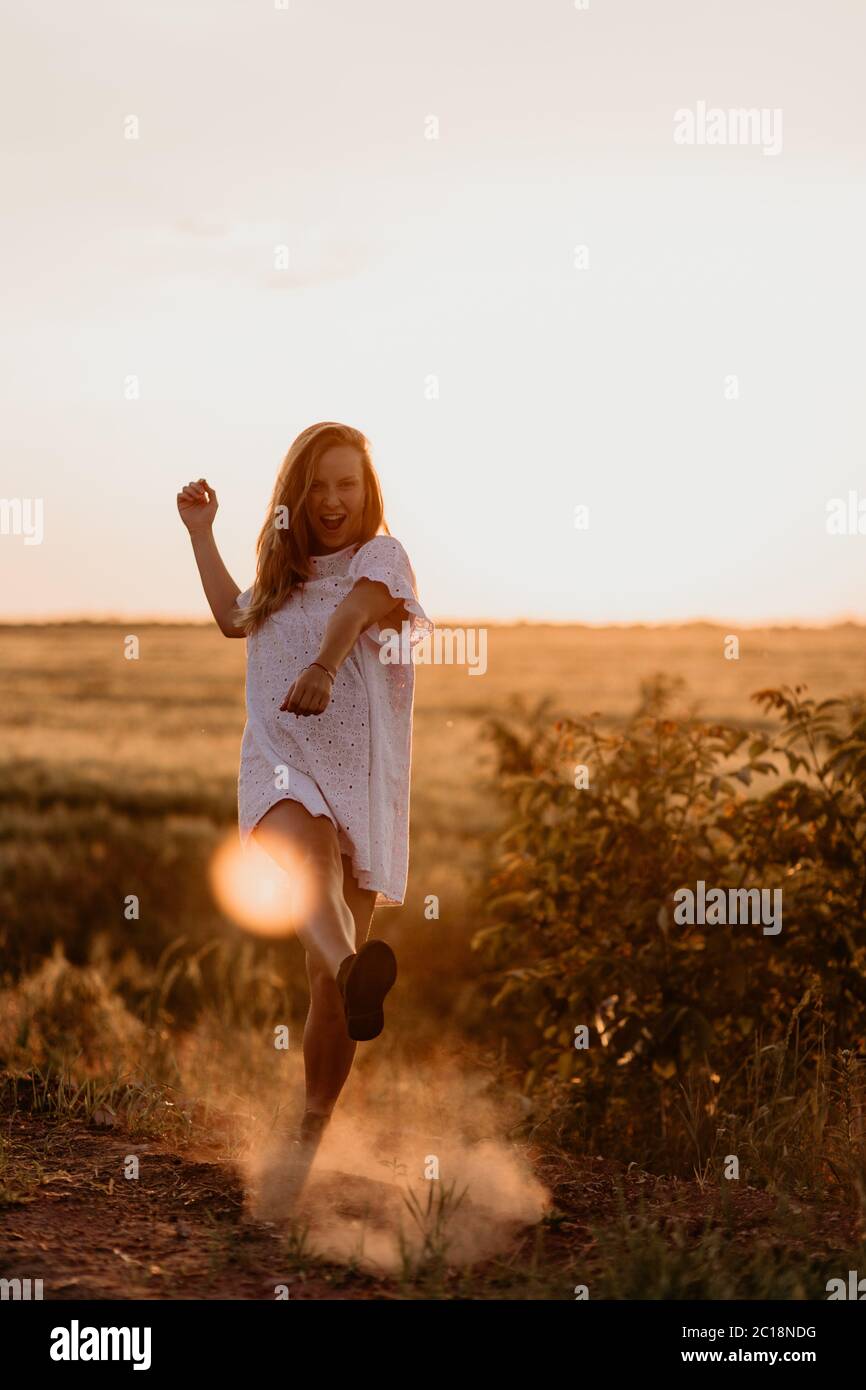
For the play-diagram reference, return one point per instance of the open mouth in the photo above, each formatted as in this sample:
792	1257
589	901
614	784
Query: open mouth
333	522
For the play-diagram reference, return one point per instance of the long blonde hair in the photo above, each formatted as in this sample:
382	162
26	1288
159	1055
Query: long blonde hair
283	551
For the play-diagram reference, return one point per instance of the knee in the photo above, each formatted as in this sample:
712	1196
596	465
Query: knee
322	875
321	857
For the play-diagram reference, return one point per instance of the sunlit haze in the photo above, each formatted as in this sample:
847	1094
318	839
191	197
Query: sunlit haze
254	891
436	298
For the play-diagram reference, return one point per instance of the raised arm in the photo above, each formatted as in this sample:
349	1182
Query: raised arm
197	506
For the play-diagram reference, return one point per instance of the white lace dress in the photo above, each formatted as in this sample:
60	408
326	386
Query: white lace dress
352	762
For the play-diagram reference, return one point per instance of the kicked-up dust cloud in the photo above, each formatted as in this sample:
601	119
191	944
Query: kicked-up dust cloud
416	1165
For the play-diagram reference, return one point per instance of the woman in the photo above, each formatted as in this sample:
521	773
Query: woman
324	774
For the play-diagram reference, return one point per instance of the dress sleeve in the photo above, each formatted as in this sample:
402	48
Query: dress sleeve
384	559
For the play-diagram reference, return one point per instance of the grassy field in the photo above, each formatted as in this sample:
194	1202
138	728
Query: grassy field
119	779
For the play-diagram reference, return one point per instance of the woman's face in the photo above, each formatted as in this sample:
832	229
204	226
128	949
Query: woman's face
335	502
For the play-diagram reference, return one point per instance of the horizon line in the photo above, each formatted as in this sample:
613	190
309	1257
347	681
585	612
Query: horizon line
798	624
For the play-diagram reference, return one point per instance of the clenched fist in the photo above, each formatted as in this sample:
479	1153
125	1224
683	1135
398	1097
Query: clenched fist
197	506
310	693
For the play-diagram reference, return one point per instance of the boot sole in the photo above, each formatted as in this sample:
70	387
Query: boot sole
372	975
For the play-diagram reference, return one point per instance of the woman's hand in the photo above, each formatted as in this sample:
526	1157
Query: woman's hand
197	506
310	693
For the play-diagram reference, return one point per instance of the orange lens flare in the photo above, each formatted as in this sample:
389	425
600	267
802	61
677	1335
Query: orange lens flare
260	895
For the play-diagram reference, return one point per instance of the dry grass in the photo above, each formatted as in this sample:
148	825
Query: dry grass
119	777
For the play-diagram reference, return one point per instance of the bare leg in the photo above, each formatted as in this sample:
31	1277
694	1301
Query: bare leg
307	848
328	1050
337	913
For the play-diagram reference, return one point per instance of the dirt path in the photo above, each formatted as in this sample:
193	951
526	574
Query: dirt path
182	1229
177	1231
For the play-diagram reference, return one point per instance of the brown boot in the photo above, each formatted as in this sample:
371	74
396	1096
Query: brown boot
363	981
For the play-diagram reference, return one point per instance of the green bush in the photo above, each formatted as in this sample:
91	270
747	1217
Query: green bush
709	1030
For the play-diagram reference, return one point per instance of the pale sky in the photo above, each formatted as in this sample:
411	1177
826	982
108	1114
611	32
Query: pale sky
453	258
